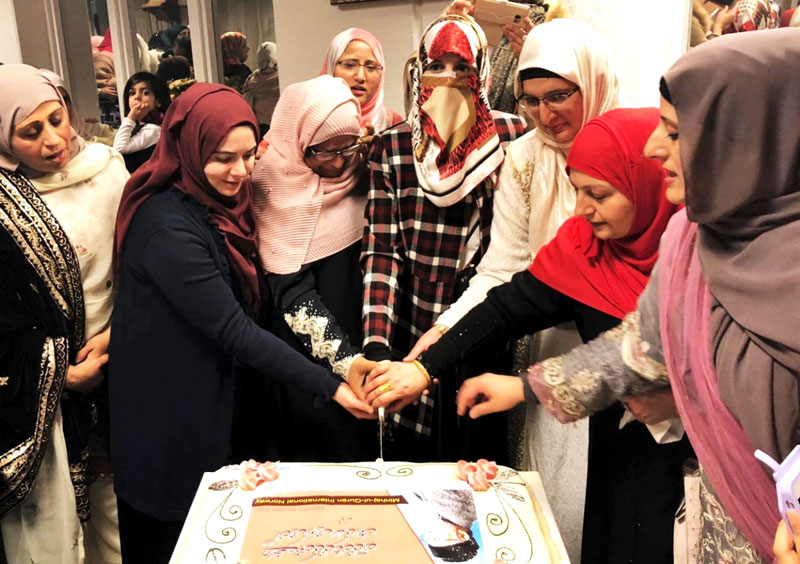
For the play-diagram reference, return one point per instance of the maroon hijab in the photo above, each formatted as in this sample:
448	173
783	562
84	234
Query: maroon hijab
193	127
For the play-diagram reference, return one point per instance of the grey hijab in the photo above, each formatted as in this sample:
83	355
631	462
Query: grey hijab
737	103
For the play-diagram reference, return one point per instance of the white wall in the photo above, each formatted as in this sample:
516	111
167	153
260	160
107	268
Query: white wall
647	36
10	51
52	34
303	29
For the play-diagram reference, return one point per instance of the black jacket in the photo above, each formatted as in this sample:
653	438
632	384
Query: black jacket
177	333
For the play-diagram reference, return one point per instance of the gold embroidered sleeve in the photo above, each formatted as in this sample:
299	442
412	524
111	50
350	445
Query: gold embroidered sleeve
591	377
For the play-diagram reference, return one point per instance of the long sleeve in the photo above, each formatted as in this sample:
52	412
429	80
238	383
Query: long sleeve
146	137
199	293
624	361
296	296
381	258
509	250
519	307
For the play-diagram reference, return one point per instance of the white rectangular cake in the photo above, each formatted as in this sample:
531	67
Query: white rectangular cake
367	512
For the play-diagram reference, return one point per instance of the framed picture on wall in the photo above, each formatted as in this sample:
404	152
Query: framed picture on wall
337	2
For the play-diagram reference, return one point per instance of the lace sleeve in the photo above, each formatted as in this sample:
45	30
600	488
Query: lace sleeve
308	318
624	361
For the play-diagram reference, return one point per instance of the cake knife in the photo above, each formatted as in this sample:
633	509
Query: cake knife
381	419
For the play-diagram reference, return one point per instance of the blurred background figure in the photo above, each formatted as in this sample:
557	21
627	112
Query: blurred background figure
261	88
234	54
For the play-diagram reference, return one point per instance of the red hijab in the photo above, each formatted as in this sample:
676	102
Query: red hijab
194	125
609	275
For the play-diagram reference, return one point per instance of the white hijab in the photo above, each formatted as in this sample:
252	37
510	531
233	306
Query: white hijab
573	50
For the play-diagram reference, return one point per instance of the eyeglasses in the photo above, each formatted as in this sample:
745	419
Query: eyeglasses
324	156
553	101
352	66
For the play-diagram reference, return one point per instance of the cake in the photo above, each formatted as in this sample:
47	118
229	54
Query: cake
377	512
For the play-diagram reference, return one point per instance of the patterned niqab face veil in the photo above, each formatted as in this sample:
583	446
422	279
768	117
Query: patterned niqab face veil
453	133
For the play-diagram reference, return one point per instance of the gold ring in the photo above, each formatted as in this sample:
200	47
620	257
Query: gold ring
385	388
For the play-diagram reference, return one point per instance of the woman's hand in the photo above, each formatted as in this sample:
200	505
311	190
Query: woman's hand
403	383
517	33
460	8
84	376
723	21
360	369
653	407
489	393
345	397
787	544
95	347
426	341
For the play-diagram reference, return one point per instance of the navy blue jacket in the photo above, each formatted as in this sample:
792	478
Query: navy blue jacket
177	333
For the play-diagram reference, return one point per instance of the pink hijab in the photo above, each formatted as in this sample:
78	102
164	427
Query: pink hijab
374	112
301	216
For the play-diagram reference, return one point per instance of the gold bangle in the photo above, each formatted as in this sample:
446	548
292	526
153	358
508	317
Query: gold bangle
442	328
422	369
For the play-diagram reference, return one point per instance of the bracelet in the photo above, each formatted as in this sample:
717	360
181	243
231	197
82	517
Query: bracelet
442	328
422	369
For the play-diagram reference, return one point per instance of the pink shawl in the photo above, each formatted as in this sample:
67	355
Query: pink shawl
374	112
302	217
722	446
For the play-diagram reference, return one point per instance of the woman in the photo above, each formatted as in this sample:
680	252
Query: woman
309	193
146	100
591	273
261	88
429	208
715	310
356	56
58	200
186	244
234	56
533	198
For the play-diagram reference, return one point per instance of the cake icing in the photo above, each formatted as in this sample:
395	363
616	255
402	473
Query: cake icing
368	512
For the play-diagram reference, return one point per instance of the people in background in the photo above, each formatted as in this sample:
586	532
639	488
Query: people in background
234	56
356	56
146	100
261	89
174	68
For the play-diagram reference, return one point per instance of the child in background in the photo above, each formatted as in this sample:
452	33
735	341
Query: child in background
146	100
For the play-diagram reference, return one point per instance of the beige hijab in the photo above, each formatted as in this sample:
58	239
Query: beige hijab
575	51
24	88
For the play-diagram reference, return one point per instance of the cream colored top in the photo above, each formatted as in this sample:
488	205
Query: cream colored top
527	213
84	198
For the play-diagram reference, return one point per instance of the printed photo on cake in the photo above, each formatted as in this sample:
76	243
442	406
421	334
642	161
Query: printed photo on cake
395	526
451	532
